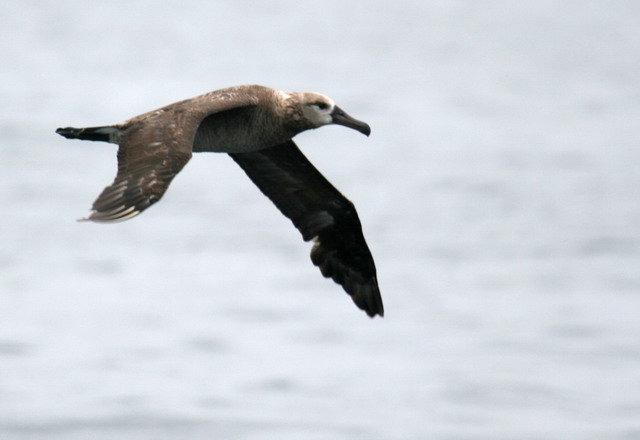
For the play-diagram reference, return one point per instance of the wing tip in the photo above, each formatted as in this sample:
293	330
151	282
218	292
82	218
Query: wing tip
117	215
364	291
367	297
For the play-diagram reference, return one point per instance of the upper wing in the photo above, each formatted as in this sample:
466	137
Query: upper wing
148	160
154	147
320	213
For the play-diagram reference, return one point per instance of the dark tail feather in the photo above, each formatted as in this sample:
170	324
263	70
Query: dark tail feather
104	134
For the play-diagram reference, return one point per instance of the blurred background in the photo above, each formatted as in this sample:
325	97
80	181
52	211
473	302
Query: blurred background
499	193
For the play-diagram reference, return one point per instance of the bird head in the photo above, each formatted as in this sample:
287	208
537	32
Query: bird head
318	110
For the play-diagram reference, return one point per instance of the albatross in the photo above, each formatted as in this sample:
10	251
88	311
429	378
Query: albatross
255	126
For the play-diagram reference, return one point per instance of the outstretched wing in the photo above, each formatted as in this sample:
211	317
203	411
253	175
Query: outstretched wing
322	214
149	157
154	147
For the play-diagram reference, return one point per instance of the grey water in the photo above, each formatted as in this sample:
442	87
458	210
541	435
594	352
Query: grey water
499	193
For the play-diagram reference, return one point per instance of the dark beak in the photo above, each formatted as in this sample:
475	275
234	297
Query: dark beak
341	118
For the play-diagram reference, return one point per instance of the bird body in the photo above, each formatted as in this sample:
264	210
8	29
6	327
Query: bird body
255	125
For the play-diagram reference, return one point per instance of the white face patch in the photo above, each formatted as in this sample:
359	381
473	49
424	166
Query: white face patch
317	109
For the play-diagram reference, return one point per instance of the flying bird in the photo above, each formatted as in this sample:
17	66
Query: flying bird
255	126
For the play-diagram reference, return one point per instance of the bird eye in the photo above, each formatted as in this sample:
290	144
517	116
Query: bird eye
322	105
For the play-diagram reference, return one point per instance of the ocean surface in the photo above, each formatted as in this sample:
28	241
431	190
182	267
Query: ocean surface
499	193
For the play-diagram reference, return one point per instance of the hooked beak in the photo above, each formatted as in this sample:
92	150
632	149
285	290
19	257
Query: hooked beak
341	118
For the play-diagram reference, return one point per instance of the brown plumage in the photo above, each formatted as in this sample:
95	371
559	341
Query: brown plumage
254	124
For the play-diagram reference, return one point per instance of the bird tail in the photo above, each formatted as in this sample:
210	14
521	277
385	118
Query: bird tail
104	134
